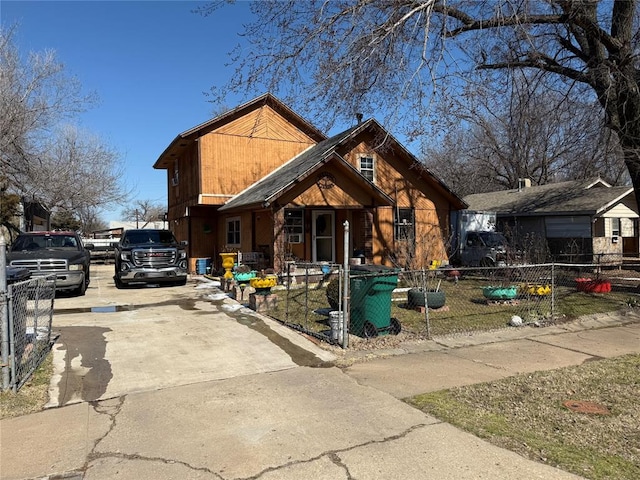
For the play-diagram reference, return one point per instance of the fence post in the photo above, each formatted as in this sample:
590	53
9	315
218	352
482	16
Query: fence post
553	292
345	290
427	323
4	314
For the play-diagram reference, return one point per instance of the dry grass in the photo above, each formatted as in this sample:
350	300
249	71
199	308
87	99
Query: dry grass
466	310
32	396
526	414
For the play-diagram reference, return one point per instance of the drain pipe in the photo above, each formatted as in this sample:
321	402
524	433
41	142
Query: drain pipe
345	289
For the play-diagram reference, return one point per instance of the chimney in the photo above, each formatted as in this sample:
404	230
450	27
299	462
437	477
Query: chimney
523	183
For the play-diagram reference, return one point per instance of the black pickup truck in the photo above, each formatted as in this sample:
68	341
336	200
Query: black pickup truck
56	253
150	256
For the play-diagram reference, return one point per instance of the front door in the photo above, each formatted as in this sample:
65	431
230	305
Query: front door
322	232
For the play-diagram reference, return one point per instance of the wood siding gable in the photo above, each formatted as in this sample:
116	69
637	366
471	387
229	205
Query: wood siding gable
245	150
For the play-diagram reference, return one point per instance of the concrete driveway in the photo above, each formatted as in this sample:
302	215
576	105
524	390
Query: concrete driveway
114	342
182	383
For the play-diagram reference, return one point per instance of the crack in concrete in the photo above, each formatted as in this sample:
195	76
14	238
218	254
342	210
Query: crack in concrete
591	357
479	362
337	461
124	456
112	411
333	455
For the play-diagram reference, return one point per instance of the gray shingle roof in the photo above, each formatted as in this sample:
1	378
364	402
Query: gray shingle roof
574	197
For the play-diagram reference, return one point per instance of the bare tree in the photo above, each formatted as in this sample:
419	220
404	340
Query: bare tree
90	220
529	131
59	166
76	171
398	56
35	95
144	212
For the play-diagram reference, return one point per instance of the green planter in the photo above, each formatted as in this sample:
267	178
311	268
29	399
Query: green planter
500	293
416	297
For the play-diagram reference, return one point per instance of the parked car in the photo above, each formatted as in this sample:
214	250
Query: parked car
150	256
54	253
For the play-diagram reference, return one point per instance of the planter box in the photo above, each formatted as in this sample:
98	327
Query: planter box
500	293
416	298
593	286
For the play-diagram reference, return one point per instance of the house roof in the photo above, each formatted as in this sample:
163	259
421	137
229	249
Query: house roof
586	197
269	188
186	138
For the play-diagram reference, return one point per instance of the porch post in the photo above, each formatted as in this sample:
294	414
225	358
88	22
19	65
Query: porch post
279	249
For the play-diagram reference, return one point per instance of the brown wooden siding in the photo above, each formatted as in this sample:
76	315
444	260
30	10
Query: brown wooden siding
242	152
264	123
183	195
409	190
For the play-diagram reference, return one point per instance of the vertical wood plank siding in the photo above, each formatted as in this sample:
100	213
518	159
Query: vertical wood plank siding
227	160
244	151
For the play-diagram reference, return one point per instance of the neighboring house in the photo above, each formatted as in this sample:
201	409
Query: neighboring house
580	220
261	179
35	217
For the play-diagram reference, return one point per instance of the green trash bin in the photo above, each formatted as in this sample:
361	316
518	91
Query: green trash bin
370	308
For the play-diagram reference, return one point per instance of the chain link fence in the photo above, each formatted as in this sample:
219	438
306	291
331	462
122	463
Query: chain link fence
313	294
465	300
27	313
386	302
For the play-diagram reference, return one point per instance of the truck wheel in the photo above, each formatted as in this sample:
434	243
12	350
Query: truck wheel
487	262
181	283
118	282
82	289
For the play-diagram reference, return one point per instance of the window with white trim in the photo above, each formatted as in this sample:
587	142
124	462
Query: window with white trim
368	167
404	224
294	224
615	227
233	232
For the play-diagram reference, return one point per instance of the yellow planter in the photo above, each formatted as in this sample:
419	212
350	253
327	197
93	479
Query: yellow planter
536	289
264	282
228	261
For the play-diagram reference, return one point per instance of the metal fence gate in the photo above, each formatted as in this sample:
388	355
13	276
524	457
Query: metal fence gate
26	313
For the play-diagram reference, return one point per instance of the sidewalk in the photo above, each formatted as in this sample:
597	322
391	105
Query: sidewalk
467	359
302	422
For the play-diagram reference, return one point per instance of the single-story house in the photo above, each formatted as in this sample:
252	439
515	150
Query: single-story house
586	220
263	181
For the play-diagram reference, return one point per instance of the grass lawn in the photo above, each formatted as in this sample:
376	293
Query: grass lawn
526	414
32	396
466	308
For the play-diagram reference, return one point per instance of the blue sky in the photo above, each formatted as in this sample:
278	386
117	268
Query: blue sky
148	61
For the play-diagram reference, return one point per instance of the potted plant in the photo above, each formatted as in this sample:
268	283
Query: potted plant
263	282
508	292
421	293
418	297
228	262
597	285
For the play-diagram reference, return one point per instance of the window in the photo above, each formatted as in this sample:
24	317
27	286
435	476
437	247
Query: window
175	179
367	167
615	227
404	224
233	231
294	225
